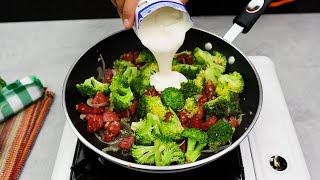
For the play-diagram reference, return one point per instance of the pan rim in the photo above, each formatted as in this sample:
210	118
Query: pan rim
171	168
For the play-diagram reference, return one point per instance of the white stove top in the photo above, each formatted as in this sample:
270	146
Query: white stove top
272	135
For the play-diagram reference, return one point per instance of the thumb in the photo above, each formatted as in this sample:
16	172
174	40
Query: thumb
128	14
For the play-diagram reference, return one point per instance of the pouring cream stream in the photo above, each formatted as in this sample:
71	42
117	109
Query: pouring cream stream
163	33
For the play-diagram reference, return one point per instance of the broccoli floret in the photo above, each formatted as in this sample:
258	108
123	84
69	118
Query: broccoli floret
147	129
172	128
131	73
224	106
167	152
190	88
216	60
149	69
220	60
121	94
121	65
145	56
151	104
189	71
191	106
213	74
91	86
143	154
220	134
140	84
217	106
230	82
196	141
173	98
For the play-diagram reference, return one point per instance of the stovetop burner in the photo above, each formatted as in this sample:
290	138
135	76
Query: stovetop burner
88	165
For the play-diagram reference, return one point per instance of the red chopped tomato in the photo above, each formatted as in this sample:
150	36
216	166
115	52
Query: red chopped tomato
183	117
202	99
200	113
128	56
113	127
83	108
97	110
132	109
100	98
210	88
195	122
125	143
168	115
108	76
154	92
109	116
124	114
211	121
108	137
234	122
95	122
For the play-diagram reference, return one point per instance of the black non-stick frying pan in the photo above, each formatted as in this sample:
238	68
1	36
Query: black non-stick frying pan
116	44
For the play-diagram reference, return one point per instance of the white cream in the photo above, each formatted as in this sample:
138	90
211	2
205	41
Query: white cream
163	32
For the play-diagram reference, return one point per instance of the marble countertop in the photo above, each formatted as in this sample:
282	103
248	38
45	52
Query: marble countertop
48	48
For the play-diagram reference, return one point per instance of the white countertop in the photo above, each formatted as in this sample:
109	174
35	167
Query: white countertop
48	48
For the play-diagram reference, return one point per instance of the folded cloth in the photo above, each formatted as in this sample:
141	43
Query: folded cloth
18	133
16	96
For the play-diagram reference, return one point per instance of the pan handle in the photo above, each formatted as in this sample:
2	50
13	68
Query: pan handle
245	20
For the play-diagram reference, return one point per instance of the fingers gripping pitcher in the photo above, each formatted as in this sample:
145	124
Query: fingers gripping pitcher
161	26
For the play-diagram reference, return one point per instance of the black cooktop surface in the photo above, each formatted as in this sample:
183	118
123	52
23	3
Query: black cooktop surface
88	165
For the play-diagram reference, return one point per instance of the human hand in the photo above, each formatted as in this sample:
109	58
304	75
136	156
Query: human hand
126	10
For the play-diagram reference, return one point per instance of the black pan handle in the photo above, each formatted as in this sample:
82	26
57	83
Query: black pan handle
251	14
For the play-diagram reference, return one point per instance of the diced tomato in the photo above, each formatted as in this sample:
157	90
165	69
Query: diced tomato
128	56
125	143
83	108
132	109
185	58
202	99
234	122
211	121
108	137
108	75
135	56
168	115
183	117
196	122
97	110
113	127
124	114
200	113
109	116
154	92
100	98
95	122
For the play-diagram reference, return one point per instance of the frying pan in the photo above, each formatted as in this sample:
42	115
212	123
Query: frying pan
123	41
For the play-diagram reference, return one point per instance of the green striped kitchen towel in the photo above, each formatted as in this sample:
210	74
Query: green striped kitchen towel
16	96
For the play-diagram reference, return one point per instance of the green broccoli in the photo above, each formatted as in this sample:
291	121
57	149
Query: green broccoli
196	141
121	65
200	79
131	73
190	88
146	129
220	134
230	82
217	60
91	86
151	104
224	106
189	71
191	106
167	152
140	84
217	106
213	74
173	98
149	69
121	94
143	154
172	128
145	56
